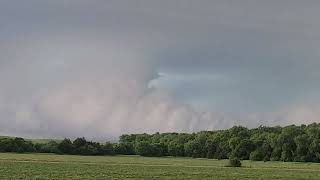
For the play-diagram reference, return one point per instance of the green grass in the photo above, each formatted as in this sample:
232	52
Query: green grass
47	166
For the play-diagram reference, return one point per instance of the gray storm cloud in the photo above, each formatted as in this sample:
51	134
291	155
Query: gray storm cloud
96	90
101	69
87	89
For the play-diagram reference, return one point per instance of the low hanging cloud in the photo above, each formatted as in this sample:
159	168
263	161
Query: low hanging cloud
101	69
95	90
87	89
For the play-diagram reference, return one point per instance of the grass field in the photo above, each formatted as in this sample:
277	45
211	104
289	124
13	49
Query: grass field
47	166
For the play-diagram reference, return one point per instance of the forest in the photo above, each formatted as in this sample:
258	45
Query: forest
290	144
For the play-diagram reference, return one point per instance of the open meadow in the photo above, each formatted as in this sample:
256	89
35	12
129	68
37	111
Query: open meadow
48	166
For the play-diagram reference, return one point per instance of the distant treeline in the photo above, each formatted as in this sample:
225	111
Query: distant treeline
291	143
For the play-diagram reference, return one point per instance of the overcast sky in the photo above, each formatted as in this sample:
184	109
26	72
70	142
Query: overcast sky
92	68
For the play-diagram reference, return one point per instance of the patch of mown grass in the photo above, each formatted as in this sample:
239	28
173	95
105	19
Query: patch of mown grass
49	166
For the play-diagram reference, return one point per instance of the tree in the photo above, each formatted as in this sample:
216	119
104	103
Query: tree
79	142
158	149
66	147
257	155
125	148
291	143
80	146
302	151
176	148
107	149
286	142
262	141
241	148
88	149
143	148
20	145
50	147
211	148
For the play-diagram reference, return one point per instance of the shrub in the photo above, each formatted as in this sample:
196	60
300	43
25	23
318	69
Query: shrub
234	162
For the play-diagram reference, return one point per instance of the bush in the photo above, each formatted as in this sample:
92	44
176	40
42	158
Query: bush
234	162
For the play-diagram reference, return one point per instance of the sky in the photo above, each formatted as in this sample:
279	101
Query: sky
103	68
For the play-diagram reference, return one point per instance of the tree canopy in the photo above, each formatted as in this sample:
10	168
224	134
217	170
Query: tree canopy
290	143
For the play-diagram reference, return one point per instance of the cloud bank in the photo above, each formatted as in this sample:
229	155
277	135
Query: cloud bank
87	89
101	69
